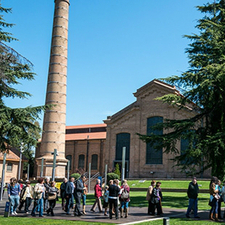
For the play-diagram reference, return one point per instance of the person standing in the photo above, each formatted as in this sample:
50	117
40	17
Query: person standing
47	185
84	197
192	193
21	194
39	194
214	198
69	195
148	197
98	195
52	196
63	192
14	195
27	196
79	188
114	191
124	198
106	199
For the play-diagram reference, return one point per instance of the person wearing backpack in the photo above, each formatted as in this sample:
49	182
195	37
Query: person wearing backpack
124	198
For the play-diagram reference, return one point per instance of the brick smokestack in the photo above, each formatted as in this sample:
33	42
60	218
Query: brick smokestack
54	125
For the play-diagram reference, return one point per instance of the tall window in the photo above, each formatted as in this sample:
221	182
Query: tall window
9	167
81	162
122	140
153	156
69	158
184	145
94	162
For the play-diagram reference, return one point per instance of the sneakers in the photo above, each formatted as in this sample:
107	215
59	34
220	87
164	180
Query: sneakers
15	212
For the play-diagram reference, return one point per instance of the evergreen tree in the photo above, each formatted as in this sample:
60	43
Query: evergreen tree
203	88
17	125
117	170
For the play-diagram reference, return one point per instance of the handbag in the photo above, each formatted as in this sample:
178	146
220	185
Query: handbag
52	197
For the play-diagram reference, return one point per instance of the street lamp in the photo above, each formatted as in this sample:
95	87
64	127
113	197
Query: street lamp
3	176
21	151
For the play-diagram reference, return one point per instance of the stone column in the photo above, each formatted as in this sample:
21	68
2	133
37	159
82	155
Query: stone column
54	124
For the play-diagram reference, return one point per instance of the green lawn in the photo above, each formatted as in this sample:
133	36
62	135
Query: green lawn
180	184
170	200
181	221
28	221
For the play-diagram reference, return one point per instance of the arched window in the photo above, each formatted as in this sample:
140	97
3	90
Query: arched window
153	156
94	162
69	158
122	140
81	161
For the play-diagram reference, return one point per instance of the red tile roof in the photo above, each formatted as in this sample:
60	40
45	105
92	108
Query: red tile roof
84	136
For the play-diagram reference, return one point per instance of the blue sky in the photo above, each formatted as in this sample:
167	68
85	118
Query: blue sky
115	47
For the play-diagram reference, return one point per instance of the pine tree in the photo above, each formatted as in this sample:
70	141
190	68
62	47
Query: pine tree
203	87
15	122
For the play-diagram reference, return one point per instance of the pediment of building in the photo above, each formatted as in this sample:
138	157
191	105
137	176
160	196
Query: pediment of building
155	86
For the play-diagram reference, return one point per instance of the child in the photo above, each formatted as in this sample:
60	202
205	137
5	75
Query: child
106	199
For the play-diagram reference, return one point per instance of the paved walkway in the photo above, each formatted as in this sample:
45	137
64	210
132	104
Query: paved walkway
135	214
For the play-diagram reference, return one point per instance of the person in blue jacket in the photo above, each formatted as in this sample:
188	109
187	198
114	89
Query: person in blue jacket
14	195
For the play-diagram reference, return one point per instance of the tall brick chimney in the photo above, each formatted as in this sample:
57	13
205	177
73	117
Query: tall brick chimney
53	136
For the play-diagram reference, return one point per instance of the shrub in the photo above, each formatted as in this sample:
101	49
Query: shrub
112	176
75	175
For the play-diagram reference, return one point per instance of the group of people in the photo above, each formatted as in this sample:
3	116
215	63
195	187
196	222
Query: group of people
154	198
43	194
73	192
217	196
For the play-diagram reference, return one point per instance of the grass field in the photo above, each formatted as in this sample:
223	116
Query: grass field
170	200
180	221
180	184
28	221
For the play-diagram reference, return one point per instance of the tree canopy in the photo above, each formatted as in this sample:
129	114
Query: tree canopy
202	86
17	125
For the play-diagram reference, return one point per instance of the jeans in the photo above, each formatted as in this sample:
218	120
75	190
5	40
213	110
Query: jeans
84	199
46	203
192	202
69	203
124	204
215	205
27	204
14	202
38	204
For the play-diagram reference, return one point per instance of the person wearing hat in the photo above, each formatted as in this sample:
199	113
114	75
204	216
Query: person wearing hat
27	196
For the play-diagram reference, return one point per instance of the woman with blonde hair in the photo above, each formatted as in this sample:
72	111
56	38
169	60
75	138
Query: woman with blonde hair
124	198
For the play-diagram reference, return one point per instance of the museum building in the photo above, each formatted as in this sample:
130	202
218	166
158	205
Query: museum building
102	144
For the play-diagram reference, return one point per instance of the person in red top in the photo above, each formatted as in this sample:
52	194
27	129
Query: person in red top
98	195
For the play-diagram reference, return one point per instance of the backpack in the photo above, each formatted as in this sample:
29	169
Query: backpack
124	195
